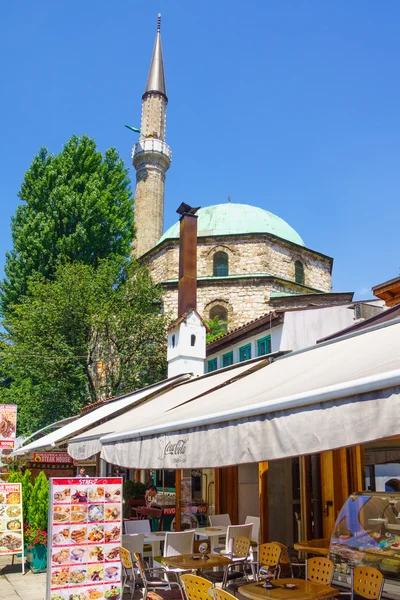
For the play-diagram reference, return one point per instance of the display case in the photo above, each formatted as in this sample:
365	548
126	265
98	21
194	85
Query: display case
367	532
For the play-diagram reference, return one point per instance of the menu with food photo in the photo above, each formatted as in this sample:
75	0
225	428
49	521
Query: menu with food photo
11	530
85	524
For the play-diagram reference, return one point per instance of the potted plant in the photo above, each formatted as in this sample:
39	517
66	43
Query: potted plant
36	527
133	492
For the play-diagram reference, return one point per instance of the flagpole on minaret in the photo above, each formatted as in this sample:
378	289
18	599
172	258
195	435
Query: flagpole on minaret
151	155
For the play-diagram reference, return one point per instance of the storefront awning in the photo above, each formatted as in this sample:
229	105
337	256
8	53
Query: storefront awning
104	411
88	443
336	394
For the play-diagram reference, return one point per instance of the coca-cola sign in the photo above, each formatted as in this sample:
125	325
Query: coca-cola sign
176	449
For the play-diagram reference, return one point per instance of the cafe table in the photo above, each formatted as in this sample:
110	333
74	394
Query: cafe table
214	533
319	547
303	590
195	562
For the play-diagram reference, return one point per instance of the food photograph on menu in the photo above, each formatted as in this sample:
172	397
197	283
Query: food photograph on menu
86	526
11	521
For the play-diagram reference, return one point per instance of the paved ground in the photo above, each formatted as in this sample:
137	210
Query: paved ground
15	586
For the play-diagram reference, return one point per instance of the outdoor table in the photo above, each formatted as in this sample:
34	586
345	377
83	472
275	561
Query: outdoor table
188	563
304	590
153	538
320	547
214	533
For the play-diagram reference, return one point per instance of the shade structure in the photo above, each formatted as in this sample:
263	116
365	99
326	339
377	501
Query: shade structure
104	411
88	443
336	394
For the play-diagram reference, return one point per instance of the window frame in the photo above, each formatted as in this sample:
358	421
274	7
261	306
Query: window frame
224	356
212	362
296	263
244	349
267	340
215	267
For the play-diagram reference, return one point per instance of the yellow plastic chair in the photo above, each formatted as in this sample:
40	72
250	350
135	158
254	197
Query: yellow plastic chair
160	585
367	582
239	555
128	570
320	570
270	556
196	588
219	594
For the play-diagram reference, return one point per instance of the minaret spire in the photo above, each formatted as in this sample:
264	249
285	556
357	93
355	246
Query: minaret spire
156	77
151	156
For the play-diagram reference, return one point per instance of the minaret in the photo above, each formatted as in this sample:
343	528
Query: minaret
151	156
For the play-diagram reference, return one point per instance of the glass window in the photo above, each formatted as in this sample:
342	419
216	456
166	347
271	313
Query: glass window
264	345
212	365
227	359
221	268
299	272
245	352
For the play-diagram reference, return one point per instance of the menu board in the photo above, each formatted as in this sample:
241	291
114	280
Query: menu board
8	427
85	523
11	531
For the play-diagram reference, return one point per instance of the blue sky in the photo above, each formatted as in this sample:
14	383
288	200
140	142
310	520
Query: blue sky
291	106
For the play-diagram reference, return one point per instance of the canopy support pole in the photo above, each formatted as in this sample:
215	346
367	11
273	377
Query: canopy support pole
263	500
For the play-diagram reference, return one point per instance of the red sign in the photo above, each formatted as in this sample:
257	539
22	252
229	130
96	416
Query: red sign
52	457
8	421
6	460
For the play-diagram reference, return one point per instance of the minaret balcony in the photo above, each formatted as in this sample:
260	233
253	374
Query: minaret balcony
151	145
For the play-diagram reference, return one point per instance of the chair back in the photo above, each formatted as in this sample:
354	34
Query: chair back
241	547
155	513
255	534
142	526
196	588
367	582
285	558
126	558
236	531
133	542
220	594
217	520
320	570
180	542
140	565
270	555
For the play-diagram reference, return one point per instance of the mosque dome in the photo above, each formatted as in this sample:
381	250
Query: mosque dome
232	219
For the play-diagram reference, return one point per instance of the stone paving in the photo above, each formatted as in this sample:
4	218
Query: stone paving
15	586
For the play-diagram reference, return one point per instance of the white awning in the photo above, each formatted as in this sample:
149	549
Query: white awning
105	410
88	443
336	394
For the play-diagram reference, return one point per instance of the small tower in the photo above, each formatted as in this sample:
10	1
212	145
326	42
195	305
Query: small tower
151	156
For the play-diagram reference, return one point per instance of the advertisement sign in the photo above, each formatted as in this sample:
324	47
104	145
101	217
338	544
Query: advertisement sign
85	528
11	521
8	428
52	457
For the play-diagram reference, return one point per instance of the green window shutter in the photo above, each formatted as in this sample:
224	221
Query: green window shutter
227	359
245	352
264	345
212	365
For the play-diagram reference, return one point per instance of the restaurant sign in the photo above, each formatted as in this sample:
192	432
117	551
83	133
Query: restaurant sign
52	457
8	428
85	528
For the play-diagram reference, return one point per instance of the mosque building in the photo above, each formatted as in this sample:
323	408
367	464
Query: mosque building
249	260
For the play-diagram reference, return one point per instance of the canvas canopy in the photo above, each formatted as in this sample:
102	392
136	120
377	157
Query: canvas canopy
104	411
88	443
336	394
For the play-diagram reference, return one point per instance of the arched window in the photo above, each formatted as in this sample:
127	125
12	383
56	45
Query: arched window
173	340
299	272
219	319
192	340
221	268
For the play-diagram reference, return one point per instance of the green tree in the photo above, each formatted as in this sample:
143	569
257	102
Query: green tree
87	334
39	503
217	327
76	205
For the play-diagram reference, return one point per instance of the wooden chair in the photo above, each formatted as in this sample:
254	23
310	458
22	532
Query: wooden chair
153	513
320	570
196	588
161	585
367	582
270	557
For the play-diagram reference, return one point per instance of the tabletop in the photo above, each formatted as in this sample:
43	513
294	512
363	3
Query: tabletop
211	531
304	590
186	561
320	547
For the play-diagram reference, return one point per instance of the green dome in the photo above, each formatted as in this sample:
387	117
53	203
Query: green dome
231	218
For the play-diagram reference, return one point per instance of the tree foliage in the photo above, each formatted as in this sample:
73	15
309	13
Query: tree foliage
87	334
76	206
39	503
217	328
